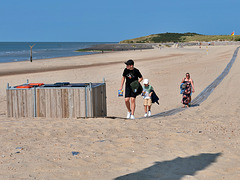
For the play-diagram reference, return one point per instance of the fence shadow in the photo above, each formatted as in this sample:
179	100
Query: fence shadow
174	169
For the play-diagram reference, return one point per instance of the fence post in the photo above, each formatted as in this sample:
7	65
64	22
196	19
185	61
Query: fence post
90	99
34	102
86	103
104	98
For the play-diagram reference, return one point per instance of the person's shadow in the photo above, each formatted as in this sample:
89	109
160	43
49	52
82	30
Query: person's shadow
174	169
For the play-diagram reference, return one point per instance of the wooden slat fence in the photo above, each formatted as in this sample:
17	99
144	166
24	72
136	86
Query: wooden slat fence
61	102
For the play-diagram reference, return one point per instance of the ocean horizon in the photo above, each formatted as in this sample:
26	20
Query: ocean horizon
20	51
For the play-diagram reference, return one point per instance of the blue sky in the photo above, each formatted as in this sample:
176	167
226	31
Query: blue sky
112	20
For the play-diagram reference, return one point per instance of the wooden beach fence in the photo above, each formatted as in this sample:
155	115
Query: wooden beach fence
79	100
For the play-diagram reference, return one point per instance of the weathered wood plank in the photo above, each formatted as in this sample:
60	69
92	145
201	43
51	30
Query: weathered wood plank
65	103
82	102
70	102
42	102
38	103
77	103
53	103
103	110
9	103
57	102
15	103
94	101
31	102
48	102
24	103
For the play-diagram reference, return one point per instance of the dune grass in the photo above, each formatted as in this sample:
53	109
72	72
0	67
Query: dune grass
181	37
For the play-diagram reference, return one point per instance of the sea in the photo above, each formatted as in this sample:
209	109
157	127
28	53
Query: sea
20	51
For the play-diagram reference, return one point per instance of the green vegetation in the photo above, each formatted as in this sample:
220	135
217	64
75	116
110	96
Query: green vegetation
181	37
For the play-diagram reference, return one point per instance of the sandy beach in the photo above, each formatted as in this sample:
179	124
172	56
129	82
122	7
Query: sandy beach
199	143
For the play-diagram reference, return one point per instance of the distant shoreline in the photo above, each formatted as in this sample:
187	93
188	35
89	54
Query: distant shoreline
108	48
142	46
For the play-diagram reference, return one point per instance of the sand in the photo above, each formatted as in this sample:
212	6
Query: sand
201	142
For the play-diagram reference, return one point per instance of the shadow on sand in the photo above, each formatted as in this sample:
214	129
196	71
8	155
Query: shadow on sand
174	169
